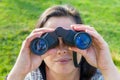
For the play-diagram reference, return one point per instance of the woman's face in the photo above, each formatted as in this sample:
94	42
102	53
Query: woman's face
61	59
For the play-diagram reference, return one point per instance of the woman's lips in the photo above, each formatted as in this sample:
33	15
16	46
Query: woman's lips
64	60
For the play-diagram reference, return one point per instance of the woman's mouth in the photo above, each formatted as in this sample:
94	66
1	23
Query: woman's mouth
63	60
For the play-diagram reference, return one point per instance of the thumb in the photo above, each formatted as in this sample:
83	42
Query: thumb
79	51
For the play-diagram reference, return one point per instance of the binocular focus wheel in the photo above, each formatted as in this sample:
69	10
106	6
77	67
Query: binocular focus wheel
39	46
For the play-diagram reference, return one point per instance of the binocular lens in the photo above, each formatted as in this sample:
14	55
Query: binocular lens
39	46
82	40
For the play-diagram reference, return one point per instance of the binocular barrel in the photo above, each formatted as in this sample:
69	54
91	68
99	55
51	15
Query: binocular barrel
81	40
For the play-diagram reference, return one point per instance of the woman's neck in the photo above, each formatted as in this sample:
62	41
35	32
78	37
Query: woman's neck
75	75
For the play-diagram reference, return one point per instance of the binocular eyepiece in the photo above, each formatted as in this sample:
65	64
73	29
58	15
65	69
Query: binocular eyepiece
81	40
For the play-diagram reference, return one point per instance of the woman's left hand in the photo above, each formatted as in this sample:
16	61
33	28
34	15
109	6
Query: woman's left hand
98	54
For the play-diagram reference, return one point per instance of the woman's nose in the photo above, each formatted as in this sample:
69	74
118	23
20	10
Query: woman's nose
62	48
62	52
61	43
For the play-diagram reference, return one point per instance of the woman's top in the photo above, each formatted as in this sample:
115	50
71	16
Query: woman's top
37	75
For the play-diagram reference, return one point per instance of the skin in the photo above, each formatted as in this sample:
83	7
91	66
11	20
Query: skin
98	55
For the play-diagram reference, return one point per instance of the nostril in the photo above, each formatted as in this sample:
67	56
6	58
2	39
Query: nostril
64	51
59	52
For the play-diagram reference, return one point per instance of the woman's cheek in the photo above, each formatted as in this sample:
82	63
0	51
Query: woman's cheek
52	51
49	60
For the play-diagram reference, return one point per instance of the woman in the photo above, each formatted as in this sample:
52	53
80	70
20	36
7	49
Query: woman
57	63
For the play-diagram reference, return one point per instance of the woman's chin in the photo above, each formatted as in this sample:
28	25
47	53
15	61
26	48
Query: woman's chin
64	69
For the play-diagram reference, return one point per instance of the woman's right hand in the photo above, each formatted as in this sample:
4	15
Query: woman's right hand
27	61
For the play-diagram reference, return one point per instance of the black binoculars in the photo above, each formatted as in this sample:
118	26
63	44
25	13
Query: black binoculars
81	40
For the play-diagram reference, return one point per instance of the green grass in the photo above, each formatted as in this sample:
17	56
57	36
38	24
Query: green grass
18	18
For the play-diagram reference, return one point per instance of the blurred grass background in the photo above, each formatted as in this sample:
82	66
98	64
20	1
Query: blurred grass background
18	18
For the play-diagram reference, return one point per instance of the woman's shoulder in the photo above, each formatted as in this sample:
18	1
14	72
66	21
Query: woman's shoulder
34	75
97	76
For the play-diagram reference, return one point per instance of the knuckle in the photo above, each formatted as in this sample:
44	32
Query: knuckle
36	30
27	39
33	31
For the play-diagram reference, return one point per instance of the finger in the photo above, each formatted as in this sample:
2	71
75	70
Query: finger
93	49
35	60
97	39
36	33
82	52
42	30
79	27
28	40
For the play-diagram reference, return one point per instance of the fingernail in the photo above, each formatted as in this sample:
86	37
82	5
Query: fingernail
75	27
71	26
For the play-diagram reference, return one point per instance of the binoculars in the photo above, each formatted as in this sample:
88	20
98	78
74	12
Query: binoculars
81	40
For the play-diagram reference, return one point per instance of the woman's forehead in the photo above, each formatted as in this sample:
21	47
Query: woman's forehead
55	22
